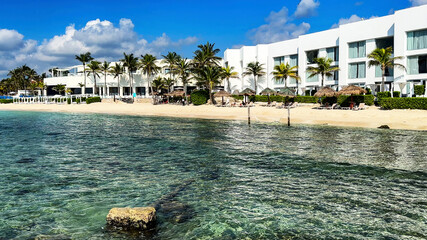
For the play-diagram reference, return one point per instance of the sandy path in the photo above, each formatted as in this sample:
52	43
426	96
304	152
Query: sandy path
370	118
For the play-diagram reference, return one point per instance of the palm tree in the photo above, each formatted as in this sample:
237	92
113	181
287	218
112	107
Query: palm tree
105	68
158	84
169	82
209	76
227	73
131	63
171	59
117	70
323	68
383	58
183	69
84	58
255	69
206	55
59	88
283	71
149	67
94	68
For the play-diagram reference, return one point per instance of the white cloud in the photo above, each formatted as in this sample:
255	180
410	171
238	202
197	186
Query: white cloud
418	2
306	8
101	38
353	18
277	28
10	40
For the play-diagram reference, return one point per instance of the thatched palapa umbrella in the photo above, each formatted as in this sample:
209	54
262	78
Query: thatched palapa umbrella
325	92
247	92
268	92
286	92
352	90
222	94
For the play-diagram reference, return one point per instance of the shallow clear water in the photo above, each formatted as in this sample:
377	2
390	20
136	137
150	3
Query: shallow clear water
61	173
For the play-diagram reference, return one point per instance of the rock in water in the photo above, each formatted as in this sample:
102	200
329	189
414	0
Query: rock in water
384	127
132	218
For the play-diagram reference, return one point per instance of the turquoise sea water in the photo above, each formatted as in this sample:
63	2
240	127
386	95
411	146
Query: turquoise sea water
61	173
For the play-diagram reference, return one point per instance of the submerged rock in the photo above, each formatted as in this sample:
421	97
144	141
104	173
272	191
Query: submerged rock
384	127
132	218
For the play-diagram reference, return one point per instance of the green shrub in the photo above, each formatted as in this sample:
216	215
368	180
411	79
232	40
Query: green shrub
383	95
419	90
90	100
68	100
344	100
396	94
199	97
307	92
330	100
78	100
403	103
237	97
305	99
5	101
368	91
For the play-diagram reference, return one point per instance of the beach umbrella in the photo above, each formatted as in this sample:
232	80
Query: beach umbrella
247	92
268	92
286	92
325	92
235	92
352	90
177	93
222	94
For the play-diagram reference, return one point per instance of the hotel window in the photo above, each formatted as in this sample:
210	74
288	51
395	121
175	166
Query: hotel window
279	60
417	40
333	53
335	76
293	60
417	64
384	42
357	49
357	70
388	72
311	55
315	78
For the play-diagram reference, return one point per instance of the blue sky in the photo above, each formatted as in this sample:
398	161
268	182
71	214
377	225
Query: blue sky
49	33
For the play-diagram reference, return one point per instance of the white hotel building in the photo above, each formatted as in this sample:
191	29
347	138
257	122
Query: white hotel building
348	45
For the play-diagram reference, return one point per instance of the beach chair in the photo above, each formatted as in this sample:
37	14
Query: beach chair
360	107
294	105
273	104
332	107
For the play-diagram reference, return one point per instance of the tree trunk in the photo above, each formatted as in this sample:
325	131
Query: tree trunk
228	85
118	85
383	79
255	80
286	79
105	83
297	86
94	88
185	93
323	79
210	93
84	75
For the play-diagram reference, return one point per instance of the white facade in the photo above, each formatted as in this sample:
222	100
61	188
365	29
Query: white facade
73	79
354	42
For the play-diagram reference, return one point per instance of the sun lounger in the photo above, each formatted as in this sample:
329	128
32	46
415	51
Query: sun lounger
331	107
294	105
360	107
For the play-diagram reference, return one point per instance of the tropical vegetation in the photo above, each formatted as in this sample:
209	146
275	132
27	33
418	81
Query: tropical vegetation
323	68
255	69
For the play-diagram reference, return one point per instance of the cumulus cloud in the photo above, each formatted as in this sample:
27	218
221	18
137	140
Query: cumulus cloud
306	8
278	27
353	18
10	40
418	2
104	40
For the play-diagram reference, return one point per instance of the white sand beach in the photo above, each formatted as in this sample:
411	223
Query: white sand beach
372	117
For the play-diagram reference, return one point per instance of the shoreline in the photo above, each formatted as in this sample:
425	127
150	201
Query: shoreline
372	117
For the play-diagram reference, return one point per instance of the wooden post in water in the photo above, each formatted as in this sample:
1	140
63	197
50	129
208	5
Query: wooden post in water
249	115
289	116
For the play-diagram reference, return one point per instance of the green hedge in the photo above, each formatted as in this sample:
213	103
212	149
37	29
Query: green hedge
383	95
330	100
90	100
344	100
4	101
396	94
199	97
306	99
404	103
419	90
